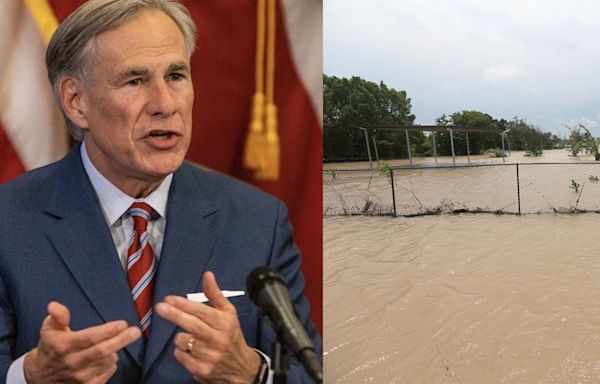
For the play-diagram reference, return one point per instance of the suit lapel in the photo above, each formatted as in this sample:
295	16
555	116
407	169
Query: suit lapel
83	241
187	247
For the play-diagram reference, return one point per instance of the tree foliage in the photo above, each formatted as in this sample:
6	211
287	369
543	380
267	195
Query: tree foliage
528	138
581	139
348	103
353	102
478	141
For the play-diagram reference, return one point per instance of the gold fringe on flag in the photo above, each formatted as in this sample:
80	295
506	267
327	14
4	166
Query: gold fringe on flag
255	141
44	17
262	150
272	153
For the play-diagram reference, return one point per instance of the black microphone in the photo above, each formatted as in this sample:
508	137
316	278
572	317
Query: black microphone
269	292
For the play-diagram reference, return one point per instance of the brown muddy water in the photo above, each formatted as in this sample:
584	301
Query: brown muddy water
470	298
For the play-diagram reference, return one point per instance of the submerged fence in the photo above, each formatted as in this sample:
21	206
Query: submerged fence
498	188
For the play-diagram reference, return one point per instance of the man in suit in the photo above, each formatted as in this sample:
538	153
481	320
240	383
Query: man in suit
98	250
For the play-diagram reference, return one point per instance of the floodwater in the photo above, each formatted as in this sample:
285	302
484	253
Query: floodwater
469	298
531	188
548	156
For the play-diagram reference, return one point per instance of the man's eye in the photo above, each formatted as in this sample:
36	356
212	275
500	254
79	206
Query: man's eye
134	82
176	76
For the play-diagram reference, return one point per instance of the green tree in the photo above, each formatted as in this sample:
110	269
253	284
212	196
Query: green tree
478	141
528	138
357	102
581	139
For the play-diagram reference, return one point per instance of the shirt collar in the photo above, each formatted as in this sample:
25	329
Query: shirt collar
115	202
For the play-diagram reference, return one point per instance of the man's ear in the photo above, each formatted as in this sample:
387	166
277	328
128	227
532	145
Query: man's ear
73	98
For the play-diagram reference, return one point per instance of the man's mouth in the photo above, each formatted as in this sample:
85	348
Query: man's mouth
161	134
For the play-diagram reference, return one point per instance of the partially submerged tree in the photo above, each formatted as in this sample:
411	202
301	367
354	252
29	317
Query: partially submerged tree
581	139
529	138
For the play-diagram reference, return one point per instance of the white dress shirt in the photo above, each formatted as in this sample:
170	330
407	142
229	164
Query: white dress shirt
115	203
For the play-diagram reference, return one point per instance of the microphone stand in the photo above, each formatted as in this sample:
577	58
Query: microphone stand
279	363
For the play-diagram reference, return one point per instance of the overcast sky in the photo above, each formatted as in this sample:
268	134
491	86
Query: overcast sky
535	59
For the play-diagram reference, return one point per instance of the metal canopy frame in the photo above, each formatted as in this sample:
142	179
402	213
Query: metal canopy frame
427	128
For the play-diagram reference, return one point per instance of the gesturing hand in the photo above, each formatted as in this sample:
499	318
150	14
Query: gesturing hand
85	356
219	351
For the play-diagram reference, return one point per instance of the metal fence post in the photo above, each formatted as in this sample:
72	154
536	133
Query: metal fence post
393	190
518	189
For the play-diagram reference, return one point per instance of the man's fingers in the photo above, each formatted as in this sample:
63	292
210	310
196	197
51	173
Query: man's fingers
72	341
201	346
106	348
199	310
182	314
88	355
213	292
115	343
118	342
195	367
94	335
59	316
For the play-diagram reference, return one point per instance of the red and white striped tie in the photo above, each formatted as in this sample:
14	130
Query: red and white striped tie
141	265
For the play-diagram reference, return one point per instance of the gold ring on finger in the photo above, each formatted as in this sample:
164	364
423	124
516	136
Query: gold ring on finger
190	344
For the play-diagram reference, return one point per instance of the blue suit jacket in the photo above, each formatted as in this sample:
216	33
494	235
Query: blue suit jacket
55	245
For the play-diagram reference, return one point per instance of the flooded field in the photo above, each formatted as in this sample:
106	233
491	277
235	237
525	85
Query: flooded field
553	182
549	156
469	298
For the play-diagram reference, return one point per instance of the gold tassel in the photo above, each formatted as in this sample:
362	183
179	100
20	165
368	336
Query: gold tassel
255	140
262	151
272	151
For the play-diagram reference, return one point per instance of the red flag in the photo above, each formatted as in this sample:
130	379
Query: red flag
223	69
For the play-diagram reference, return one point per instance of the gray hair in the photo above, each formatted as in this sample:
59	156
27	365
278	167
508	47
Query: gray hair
71	48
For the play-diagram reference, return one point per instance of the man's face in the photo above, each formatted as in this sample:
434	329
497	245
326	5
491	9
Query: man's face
138	106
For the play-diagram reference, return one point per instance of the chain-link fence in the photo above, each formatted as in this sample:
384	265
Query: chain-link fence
498	188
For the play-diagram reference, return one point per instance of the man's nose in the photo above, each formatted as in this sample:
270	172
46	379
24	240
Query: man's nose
161	99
